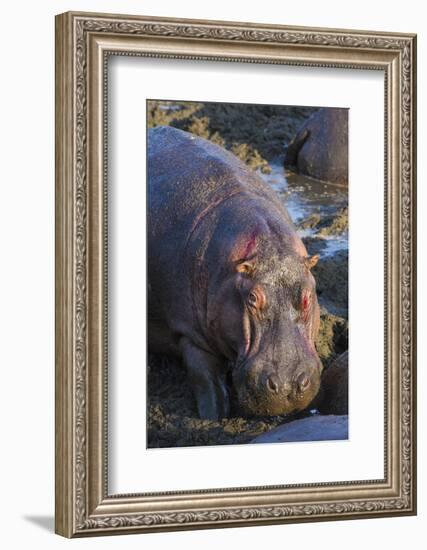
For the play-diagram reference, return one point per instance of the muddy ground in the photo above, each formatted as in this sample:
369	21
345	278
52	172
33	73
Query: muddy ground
258	135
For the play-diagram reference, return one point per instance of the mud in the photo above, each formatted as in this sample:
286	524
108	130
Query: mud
257	134
172	415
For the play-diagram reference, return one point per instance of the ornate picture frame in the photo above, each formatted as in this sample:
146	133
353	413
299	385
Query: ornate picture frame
84	42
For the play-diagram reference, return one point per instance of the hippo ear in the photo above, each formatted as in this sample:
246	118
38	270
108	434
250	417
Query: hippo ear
311	261
246	266
243	254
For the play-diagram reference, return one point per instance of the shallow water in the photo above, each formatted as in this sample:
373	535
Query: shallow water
304	196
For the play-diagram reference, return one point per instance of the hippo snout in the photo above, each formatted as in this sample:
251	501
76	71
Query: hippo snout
263	391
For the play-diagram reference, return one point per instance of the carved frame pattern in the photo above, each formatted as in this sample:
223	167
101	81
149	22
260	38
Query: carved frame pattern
82	507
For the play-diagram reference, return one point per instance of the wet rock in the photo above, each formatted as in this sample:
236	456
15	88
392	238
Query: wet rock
320	148
326	225
337	225
313	428
311	222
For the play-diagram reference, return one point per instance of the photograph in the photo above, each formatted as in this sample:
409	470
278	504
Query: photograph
248	223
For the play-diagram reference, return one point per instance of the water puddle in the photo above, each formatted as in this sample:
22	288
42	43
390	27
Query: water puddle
305	197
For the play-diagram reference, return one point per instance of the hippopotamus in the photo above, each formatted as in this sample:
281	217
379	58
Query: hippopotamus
333	395
320	148
230	289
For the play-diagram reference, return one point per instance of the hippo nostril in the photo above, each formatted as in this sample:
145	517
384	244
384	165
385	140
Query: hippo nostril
303	383
273	383
287	390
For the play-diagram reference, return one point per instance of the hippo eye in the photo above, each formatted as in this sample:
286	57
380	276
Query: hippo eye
256	299
252	299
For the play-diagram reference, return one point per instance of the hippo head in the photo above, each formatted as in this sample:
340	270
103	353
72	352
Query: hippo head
270	320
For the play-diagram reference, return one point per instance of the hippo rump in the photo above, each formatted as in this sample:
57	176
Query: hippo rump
230	290
320	148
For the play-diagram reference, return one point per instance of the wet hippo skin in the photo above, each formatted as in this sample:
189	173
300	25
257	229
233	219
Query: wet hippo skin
230	287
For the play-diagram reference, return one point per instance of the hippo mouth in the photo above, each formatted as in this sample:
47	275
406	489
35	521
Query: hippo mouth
261	405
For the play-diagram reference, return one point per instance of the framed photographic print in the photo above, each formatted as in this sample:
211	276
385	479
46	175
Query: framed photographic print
235	274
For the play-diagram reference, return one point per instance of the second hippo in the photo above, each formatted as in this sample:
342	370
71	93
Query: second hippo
230	288
320	148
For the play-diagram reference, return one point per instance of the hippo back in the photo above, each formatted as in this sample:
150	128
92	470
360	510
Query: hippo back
189	180
195	174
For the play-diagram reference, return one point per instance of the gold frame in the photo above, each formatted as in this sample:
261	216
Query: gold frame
83	43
